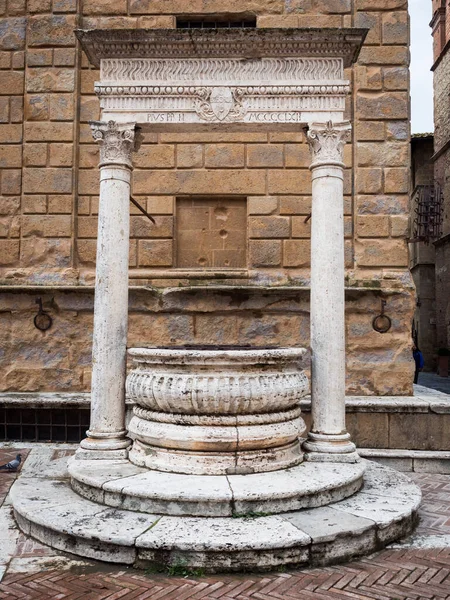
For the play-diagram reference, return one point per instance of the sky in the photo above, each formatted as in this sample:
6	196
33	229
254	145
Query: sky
421	62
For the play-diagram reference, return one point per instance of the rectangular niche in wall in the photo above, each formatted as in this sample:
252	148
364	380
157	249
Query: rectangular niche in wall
211	232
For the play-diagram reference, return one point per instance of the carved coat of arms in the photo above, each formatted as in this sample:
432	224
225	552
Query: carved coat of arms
220	104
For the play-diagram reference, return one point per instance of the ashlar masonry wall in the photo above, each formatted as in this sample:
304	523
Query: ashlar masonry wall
49	202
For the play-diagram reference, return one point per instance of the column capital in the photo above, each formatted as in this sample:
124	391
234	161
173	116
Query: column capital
326	142
117	142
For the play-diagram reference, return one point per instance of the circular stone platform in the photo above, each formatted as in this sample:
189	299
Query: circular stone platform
47	509
123	485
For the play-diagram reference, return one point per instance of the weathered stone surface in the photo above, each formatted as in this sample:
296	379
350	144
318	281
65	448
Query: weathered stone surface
53	30
392	253
387	105
12	33
50	80
155	253
12	82
269	227
50	180
265	253
265	155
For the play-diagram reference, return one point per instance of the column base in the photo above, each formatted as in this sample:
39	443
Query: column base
104	447
321	447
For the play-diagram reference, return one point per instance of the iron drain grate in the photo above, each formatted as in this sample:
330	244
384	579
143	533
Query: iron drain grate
43	424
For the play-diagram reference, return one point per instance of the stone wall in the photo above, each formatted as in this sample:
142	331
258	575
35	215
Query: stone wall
49	186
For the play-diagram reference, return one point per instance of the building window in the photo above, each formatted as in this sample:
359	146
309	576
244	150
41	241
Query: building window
211	233
215	23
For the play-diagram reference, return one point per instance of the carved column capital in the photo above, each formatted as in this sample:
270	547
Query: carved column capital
326	142
117	142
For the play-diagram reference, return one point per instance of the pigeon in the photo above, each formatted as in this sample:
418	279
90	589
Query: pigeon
12	465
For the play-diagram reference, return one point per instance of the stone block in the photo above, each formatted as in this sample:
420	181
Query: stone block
369	181
17	109
34	155
224	156
381	253
381	4
265	253
141	227
373	226
61	155
10	157
293	182
35	204
296	253
51	79
427	433
12	33
262	205
368	78
264	155
368	430
106	7
397	130
320	21
64	57
189	156
87	250
396	78
155	253
60	205
49	132
211	137
37	107
297	156
51	30
157	22
88	79
333	6
10	134
47	180
395	27
269	227
300	228
396	181
11	182
295	205
9	252
39	57
64	6
389	154
39	6
87	227
386	105
159	205
384	55
400	226
157	156
199	7
18	60
17	7
89	156
380	204
52	226
370	131
12	83
88	181
4	109
61	107
9	206
371	21
49	253
171	183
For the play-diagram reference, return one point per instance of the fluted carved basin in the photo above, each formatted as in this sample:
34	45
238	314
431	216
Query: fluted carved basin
205	410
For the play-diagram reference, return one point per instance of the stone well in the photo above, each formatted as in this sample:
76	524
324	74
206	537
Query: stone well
206	411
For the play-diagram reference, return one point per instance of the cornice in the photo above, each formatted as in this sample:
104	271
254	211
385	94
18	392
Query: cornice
222	43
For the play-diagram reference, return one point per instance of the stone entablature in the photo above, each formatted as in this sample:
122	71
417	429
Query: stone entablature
222	77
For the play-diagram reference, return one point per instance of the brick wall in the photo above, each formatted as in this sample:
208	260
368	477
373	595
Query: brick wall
50	225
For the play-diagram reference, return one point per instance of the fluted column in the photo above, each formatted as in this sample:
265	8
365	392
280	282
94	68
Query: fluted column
328	439
107	434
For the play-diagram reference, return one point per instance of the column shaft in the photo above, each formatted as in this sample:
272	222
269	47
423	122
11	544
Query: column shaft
107	427
328	439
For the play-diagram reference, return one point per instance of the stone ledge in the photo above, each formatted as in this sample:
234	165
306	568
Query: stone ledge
384	511
123	485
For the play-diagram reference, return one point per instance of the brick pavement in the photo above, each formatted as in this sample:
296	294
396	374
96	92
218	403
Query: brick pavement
40	573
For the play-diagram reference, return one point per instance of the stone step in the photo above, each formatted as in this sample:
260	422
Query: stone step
121	484
48	510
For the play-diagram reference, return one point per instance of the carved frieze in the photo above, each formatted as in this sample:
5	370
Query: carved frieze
183	77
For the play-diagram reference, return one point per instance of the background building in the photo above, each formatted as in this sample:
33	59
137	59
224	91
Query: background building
231	209
441	68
